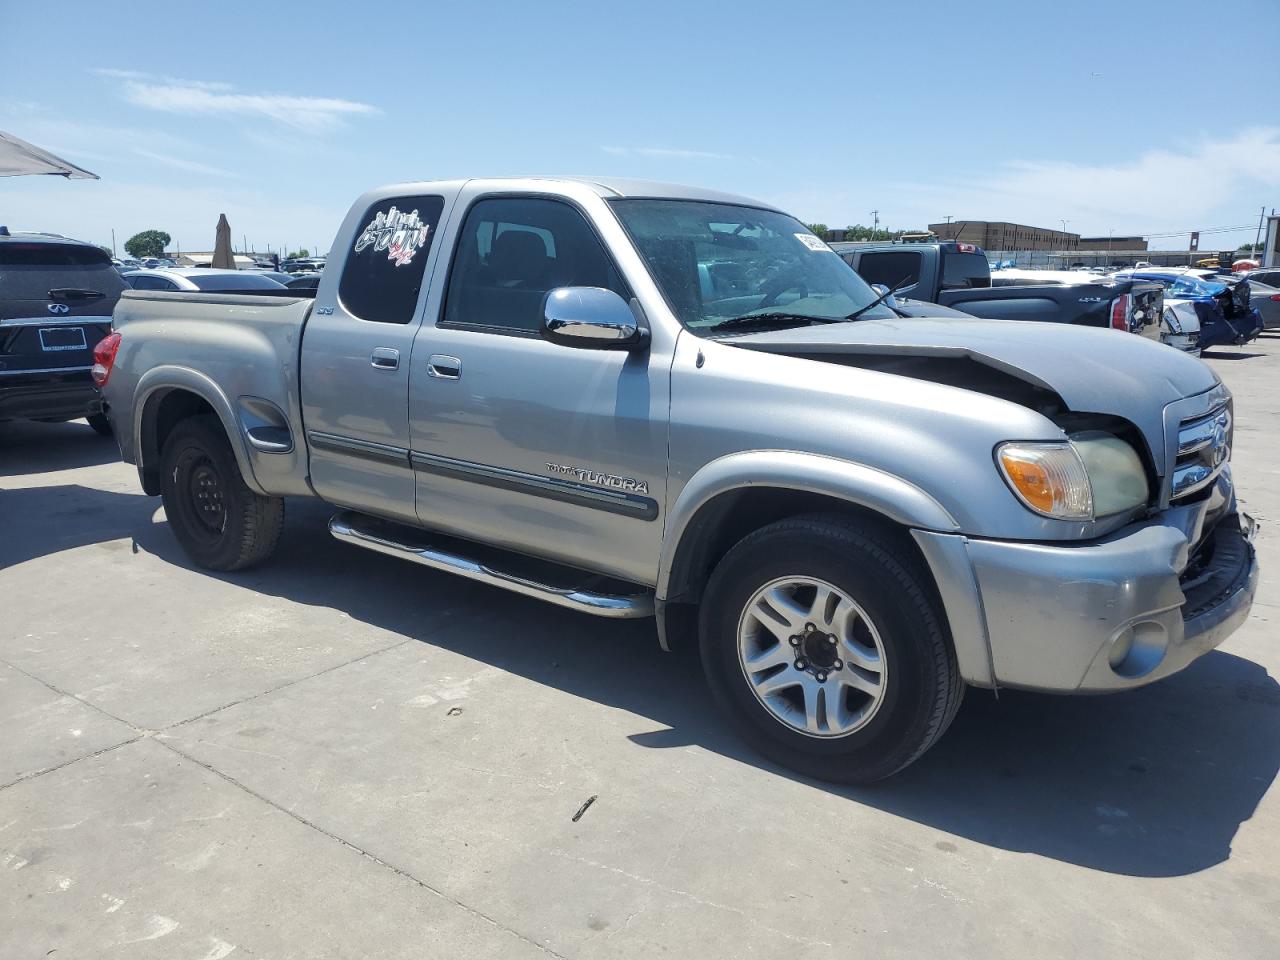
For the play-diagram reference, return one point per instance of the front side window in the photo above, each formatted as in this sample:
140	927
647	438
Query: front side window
511	251
384	266
719	262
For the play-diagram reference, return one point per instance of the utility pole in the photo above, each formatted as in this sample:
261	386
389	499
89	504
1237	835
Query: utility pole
875	223
113	241
950	235
1257	238
1065	244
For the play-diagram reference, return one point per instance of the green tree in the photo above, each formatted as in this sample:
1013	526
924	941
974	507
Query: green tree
148	243
1250	247
819	229
304	252
105	249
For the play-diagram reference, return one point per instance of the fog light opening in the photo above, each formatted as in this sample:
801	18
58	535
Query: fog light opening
1138	649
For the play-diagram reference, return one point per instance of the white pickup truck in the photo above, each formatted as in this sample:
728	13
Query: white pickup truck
642	400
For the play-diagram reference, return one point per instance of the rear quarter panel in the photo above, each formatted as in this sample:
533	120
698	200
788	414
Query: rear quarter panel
233	352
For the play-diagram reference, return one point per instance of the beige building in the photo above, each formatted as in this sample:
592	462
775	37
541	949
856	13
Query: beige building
1113	243
999	235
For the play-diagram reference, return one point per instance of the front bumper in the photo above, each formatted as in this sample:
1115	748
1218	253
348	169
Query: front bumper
1114	613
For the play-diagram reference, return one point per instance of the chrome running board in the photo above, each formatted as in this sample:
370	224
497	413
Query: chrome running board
354	528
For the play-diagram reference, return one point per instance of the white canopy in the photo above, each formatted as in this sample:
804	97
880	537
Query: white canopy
19	158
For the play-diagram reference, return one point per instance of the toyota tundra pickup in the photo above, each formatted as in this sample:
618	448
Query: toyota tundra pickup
643	400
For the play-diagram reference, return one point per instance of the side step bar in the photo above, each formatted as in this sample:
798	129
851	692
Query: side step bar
354	528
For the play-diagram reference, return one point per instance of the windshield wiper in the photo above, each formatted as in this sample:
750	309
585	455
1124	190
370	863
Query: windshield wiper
880	299
770	320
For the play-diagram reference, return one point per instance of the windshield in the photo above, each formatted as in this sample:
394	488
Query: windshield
716	261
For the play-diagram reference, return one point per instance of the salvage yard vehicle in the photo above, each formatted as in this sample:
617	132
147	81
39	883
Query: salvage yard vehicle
958	275
1226	315
535	384
1179	323
56	298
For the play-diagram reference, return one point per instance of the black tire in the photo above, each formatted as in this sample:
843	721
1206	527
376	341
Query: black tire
218	520
922	688
101	425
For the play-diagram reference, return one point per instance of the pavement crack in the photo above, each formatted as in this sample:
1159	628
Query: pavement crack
399	871
67	693
58	766
285	684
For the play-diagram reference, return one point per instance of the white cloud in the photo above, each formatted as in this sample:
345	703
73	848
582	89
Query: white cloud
308	114
180	163
141	77
1206	183
665	153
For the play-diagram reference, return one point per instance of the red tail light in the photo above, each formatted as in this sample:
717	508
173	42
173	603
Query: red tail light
104	358
1120	312
1276	297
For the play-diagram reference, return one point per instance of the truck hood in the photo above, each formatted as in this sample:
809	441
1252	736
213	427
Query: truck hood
1092	370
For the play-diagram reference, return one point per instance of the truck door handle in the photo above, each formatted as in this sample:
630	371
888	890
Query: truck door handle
385	358
444	368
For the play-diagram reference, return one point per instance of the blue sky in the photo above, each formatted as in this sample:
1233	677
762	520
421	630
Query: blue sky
1124	116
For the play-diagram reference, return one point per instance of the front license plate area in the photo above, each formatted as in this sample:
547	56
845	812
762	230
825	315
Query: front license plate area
57	339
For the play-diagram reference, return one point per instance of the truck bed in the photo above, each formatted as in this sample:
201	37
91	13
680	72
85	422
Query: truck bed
243	349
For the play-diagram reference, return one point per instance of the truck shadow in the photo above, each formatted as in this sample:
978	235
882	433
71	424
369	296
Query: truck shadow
27	447
1151	783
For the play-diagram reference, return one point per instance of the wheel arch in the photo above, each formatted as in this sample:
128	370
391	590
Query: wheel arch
740	493
166	396
725	493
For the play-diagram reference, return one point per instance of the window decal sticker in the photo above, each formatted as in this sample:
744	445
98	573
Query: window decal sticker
400	234
813	243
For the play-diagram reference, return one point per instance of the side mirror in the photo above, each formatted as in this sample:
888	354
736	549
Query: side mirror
590	318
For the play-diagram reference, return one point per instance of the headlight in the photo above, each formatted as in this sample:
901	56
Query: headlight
1094	474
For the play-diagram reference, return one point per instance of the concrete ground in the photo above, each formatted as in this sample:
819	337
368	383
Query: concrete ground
342	755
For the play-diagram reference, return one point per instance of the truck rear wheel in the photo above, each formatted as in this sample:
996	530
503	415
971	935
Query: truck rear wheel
824	644
218	520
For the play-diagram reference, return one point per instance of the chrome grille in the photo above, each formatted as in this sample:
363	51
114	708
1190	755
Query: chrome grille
1204	447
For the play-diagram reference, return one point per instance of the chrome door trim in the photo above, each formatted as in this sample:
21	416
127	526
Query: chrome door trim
363	449
566	491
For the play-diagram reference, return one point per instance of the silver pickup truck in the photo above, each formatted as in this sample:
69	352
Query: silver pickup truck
643	400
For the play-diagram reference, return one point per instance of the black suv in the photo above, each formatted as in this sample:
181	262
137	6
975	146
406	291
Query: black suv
56	298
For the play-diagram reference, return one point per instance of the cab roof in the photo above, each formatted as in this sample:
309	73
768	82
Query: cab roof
606	187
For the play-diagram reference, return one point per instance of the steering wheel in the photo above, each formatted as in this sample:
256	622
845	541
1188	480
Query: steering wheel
780	286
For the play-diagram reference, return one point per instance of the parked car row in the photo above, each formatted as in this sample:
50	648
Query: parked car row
56	300
958	275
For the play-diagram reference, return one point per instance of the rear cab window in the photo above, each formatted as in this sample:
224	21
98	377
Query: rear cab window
892	268
382	273
965	271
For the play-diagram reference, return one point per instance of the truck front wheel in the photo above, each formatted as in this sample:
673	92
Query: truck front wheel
824	644
218	520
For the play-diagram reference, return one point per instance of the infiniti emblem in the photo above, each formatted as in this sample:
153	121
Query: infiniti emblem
59	308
